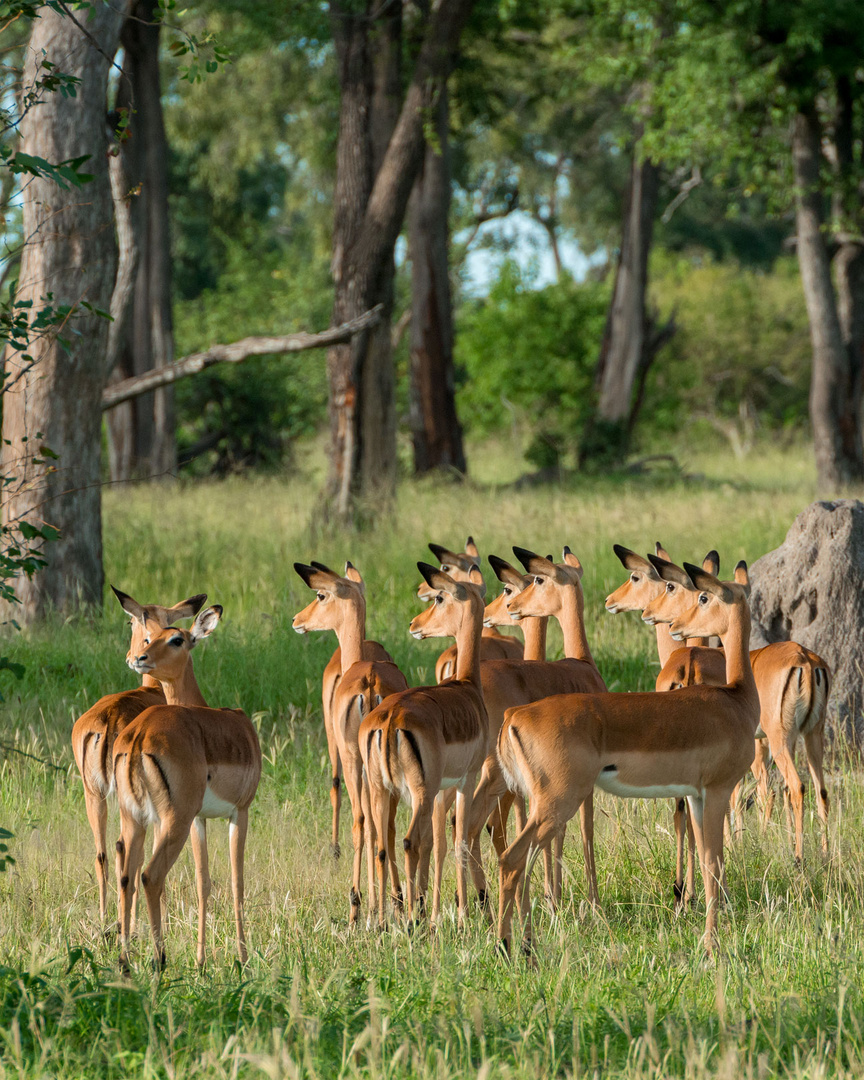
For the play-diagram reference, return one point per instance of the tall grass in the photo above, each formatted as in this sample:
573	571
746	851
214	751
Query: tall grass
625	992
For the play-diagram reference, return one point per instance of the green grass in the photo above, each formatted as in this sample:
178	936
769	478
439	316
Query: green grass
626	992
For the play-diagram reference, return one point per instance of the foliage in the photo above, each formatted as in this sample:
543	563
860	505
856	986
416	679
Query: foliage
740	361
527	357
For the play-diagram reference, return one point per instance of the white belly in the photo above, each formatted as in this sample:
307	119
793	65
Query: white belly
214	807
608	781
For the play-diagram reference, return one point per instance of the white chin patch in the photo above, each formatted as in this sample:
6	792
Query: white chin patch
416	634
299	630
612	609
515	617
678	637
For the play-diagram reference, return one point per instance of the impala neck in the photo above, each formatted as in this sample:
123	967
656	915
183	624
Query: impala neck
184	691
150	683
534	633
468	643
491	631
351	633
573	625
736	644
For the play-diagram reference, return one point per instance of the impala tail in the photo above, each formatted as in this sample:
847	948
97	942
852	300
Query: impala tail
394	753
512	755
805	697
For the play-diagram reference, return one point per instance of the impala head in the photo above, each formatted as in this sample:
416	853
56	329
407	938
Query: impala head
148	619
639	589
714	603
452	601
457	564
549	585
164	655
332	594
677	594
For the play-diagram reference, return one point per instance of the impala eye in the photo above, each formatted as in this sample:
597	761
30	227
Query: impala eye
508	592
538	580
321	596
703	598
634	578
439	599
670	588
176	641
445	568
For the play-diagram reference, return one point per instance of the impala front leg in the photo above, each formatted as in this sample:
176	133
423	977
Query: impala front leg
464	797
198	840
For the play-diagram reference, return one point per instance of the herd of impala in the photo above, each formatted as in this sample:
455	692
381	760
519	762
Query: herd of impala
503	727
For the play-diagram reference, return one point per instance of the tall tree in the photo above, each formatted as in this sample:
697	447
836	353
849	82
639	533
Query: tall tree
141	438
70	254
368	214
435	428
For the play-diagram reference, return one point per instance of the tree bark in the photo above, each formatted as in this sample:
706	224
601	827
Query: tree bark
71	254
435	428
834	413
624	338
142	434
366	229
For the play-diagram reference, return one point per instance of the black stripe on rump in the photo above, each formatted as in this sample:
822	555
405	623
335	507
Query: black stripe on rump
161	773
412	742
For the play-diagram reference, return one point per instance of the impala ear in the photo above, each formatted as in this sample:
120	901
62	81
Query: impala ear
711	563
668	571
318	576
631	561
440	581
476	578
661	552
187	609
572	561
534	563
471	549
205	623
325	569
507	573
353	574
130	606
706	582
742	577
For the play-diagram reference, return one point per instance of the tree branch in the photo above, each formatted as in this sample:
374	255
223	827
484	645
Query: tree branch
235	353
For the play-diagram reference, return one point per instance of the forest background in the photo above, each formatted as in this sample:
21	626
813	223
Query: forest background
603	232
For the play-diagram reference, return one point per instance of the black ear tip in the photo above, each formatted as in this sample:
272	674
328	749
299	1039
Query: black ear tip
427	571
742	565
349	565
470	540
567	550
218	609
549	557
299	567
121	596
621	551
321	566
690	570
713	556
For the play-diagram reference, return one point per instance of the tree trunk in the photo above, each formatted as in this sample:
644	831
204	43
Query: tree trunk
624	339
834	413
435	428
366	229
70	253
141	434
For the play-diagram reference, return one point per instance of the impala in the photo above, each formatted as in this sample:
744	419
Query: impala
679	667
550	590
94	733
179	764
697	742
431	737
340	605
493	644
793	688
371	650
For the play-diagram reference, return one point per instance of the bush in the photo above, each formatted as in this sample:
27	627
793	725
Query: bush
526	361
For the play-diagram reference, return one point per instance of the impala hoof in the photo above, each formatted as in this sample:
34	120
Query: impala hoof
159	965
335	851
502	947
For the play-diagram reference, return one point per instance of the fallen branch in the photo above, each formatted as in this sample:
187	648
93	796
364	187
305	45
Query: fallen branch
235	353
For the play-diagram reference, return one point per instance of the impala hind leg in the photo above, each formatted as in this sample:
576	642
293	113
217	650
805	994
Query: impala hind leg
421	819
370	840
130	855
198	841
174	833
237	830
97	815
784	755
537	832
439	845
335	782
814	746
395	884
762	776
379	800
679	824
354	786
